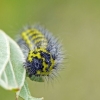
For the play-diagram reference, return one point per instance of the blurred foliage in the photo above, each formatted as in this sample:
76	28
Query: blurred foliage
77	24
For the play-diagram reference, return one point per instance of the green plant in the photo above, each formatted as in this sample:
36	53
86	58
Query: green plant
12	74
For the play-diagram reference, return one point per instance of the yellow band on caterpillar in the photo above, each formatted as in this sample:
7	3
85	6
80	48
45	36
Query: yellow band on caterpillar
32	37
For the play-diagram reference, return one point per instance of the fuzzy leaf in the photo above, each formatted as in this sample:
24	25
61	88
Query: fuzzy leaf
25	93
4	51
13	74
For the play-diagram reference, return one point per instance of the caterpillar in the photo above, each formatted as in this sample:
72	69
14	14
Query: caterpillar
43	53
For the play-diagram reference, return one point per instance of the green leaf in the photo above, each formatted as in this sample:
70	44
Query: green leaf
13	74
25	93
4	51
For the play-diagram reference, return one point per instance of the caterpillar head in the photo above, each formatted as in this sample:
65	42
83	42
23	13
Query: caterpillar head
39	63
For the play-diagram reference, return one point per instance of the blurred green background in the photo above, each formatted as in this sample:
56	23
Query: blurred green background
77	24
